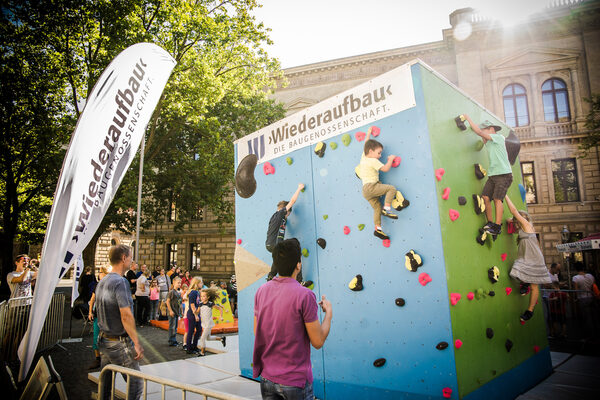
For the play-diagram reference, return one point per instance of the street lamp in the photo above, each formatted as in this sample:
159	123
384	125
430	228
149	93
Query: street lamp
565	236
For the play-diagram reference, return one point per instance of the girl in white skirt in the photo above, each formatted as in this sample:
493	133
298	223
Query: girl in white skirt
207	298
529	268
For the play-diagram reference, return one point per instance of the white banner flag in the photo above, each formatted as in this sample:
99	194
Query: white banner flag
77	271
105	141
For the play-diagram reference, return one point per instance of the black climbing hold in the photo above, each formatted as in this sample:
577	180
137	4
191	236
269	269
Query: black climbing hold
356	283
513	146
479	204
494	372
460	122
508	344
400	302
412	261
321	242
462	200
489	332
379	362
482	236
245	184
480	172
493	274
441	345
491	293
320	149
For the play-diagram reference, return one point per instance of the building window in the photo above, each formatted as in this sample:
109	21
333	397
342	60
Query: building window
564	176
171	254
172	212
198	215
194	256
556	101
529	182
516	112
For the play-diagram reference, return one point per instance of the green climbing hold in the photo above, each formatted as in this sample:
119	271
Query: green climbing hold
325	216
303	189
305	252
479	145
479	293
333	145
361	227
346	139
289	160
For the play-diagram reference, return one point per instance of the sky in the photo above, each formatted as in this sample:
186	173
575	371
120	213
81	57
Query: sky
309	31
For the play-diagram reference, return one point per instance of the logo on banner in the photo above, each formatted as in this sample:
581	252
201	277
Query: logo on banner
256	146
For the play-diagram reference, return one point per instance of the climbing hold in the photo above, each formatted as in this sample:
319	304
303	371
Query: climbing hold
424	278
447	392
305	252
508	290
508	344
399	203
321	242
479	293
510	227
400	302
356	171
325	216
439	173
470	295
536	349
346	139
480	172
268	169
303	189
491	293
412	261
454	298
493	274
482	237
453	214
462	200
333	145
386	242
523	192
479	145
309	284
441	345
356	283
458	343
379	362
374	131
522	322
346	230
239	241
489	332
360	136
396	162
479	204
513	146
245	184
224	300
361	227
503	256
446	193
460	122
320	149
289	160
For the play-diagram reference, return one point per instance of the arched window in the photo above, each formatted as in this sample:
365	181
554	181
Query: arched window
516	112
556	101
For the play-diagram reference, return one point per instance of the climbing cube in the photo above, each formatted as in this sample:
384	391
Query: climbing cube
439	330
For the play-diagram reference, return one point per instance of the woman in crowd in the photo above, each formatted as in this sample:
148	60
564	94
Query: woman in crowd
93	317
142	298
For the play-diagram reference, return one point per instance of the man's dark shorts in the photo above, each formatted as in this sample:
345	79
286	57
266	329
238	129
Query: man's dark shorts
496	186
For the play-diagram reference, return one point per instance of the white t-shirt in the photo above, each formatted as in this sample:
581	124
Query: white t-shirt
368	169
142	282
584	282
22	289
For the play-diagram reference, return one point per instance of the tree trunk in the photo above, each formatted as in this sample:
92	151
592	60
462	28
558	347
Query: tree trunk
6	254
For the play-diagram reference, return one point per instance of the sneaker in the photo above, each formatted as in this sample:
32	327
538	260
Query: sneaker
526	316
223	340
379	233
184	347
524	289
488	225
173	344
492	228
388	213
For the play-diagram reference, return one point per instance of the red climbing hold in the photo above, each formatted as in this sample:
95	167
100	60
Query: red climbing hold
508	290
439	173
386	243
396	162
239	241
424	278
447	392
346	230
268	168
458	343
453	214
522	322
360	136
454	298
446	193
503	256
470	295
536	349
375	131
510	227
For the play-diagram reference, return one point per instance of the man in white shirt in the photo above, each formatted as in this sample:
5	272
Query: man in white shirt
21	278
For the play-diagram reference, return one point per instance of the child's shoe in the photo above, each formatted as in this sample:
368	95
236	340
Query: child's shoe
399	203
526	316
223	340
524	289
379	233
492	228
388	213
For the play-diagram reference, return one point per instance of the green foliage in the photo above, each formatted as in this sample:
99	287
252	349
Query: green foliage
592	124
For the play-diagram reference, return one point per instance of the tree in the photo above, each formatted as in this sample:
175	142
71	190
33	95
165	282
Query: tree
592	124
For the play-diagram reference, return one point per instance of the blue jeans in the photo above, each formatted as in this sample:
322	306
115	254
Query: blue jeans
274	391
120	352
173	329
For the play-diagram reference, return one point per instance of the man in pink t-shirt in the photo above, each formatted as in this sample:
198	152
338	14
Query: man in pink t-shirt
286	323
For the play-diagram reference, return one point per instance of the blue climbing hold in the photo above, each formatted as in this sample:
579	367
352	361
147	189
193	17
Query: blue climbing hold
523	192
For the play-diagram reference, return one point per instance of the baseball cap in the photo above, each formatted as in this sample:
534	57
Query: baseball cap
488	124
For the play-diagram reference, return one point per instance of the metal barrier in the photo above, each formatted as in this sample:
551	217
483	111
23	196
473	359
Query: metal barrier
571	314
14	317
127	373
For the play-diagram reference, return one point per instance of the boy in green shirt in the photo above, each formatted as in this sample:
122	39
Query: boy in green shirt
499	173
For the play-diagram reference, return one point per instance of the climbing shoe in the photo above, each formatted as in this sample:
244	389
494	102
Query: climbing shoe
492	228
379	233
526	316
388	213
399	203
524	289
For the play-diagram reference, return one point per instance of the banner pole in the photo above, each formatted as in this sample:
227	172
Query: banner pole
139	201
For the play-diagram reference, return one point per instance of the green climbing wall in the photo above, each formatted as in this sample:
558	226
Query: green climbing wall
480	359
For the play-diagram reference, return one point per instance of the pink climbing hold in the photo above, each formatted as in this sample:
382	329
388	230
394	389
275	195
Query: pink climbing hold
446	193
346	230
522	322
508	290
396	162
470	295
536	349
447	392
386	243
424	278
458	343
239	241
439	173
453	214
454	298
360	136
268	168
503	256
375	131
